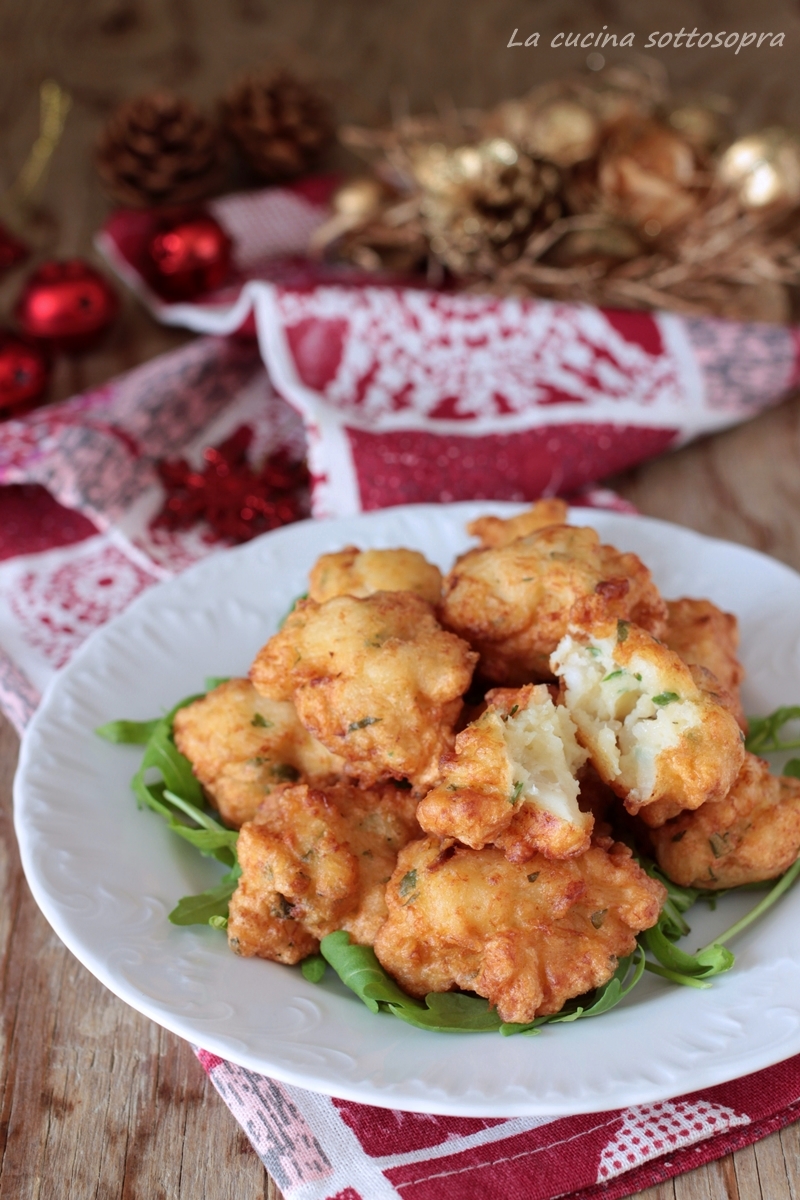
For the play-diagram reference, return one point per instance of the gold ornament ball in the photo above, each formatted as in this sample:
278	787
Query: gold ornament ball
564	132
358	199
701	126
763	168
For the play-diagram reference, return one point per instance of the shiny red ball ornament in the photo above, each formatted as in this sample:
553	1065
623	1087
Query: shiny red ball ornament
70	305
12	250
24	374
189	256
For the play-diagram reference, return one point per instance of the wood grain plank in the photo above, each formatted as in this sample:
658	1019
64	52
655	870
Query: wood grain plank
772	1175
790	1148
95	1100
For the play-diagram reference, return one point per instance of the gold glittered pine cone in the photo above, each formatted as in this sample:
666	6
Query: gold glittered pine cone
482	202
280	124
159	149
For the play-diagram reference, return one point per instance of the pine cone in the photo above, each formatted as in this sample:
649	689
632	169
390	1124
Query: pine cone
481	203
158	149
280	124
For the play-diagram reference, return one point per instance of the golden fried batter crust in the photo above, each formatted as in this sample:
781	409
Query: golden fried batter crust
512	603
242	746
377	680
494	531
354	572
510	782
527	937
315	860
705	636
660	739
751	835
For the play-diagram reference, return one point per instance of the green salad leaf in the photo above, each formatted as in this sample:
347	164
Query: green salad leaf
313	968
764	732
458	1012
207	907
128	733
165	783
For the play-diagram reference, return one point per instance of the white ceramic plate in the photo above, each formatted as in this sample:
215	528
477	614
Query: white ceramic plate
106	875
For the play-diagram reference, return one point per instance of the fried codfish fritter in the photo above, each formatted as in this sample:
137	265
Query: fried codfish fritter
511	780
377	680
354	572
656	737
705	636
494	531
241	746
751	835
527	937
512	603
315	860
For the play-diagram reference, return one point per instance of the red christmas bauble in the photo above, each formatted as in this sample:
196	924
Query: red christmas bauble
187	256
24	374
12	250
68	304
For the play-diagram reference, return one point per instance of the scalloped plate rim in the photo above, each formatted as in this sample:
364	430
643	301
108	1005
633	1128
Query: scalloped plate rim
406	1094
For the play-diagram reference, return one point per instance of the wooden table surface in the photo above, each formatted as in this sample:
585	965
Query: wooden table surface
95	1100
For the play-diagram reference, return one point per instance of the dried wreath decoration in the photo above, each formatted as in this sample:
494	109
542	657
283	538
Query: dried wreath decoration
604	189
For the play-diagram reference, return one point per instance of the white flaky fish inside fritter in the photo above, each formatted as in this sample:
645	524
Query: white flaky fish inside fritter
511	780
653	734
242	746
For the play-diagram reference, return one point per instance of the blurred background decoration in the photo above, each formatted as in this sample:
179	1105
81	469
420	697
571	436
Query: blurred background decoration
604	187
669	181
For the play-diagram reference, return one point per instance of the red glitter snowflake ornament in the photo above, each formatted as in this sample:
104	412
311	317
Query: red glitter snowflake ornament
237	501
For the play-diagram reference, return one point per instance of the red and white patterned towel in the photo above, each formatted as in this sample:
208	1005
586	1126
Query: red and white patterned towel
404	395
408	393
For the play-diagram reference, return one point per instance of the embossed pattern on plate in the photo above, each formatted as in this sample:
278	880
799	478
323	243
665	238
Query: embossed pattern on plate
106	875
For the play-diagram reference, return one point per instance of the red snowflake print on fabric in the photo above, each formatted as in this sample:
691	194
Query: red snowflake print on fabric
58	608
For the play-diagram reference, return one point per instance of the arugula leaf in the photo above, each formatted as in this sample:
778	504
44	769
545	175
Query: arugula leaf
313	968
780	886
359	969
127	733
178	798
213	681
217	843
764	735
450	1012
675	976
457	1012
207	907
792	768
713	959
162	754
679	900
